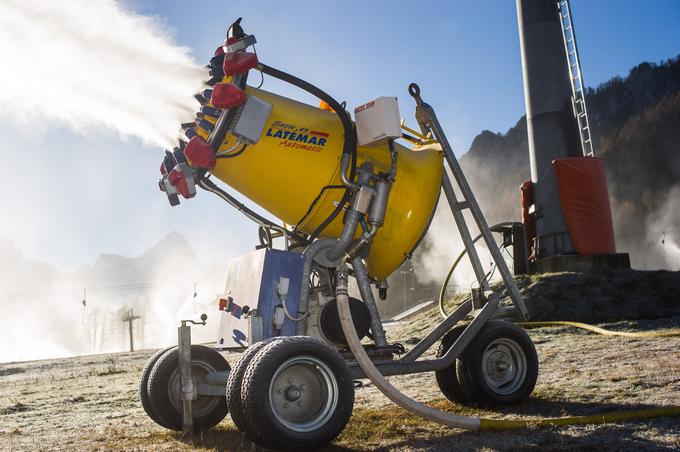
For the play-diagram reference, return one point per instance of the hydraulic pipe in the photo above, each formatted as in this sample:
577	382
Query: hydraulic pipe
310	252
392	393
364	283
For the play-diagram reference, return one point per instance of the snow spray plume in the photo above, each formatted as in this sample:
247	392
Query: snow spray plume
91	65
48	313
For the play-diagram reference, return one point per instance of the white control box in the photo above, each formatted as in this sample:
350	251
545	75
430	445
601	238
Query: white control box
377	121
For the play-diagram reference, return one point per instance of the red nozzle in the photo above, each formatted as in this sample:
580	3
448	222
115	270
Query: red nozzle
238	62
227	95
199	153
179	181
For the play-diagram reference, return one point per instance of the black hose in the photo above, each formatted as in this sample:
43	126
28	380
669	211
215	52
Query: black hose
315	202
349	146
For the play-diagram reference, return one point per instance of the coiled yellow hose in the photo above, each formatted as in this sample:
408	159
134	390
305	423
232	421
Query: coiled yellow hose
603	418
598	330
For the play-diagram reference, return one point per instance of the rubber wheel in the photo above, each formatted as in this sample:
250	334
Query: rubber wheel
234	384
143	383
500	366
330	321
447	380
165	392
297	394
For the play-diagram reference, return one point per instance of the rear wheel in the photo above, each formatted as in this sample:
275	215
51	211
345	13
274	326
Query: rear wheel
234	385
143	383
447	380
297	393
165	392
500	366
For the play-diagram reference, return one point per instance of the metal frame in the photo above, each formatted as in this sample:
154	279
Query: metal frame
408	364
482	308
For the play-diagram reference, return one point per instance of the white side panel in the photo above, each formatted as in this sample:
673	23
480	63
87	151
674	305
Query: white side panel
244	277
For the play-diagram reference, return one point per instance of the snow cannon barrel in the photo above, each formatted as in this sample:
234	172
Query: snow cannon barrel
298	154
285	156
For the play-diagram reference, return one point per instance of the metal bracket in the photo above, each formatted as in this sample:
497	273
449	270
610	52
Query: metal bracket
187	391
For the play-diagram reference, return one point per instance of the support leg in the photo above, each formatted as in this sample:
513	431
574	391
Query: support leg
186	384
364	284
464	232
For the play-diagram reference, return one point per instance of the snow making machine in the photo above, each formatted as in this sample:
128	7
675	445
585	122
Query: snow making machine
353	200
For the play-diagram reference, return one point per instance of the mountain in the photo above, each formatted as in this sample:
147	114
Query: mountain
636	130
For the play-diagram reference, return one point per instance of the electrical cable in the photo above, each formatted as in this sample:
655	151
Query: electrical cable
288	314
261	73
314	203
232	155
442	291
349	146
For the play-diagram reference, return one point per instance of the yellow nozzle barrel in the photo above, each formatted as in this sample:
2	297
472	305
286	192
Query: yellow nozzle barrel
298	154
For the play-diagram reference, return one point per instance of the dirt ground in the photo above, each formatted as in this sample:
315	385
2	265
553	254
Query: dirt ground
91	403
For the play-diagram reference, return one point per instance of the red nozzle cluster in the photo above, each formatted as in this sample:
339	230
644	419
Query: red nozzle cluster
178	167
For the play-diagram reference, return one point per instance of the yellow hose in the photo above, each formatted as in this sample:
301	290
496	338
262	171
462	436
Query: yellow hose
598	330
603	418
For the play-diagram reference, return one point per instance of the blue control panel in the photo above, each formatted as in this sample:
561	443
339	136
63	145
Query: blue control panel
258	284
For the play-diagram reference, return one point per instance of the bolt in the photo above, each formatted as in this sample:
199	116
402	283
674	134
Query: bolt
278	390
302	387
290	381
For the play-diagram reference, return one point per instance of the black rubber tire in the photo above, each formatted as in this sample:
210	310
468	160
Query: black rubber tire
166	370
143	383
447	379
329	321
271	432
234	384
469	368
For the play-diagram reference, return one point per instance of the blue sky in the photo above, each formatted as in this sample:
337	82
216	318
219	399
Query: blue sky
84	195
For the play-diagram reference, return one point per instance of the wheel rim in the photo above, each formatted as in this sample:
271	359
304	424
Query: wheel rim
504	366
203	405
303	393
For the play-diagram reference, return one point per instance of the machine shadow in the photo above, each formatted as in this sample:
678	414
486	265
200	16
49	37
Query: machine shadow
228	438
542	407
622	437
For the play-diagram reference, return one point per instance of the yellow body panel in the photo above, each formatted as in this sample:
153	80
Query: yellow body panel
299	153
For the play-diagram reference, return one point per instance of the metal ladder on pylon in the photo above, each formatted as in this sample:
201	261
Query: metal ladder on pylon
578	97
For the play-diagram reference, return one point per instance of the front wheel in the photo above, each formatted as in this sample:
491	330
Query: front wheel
500	366
164	389
297	393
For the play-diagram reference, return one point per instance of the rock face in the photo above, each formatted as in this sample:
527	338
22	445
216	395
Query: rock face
636	130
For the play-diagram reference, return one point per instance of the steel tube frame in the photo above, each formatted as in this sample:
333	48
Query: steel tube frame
402	367
364	283
428	120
